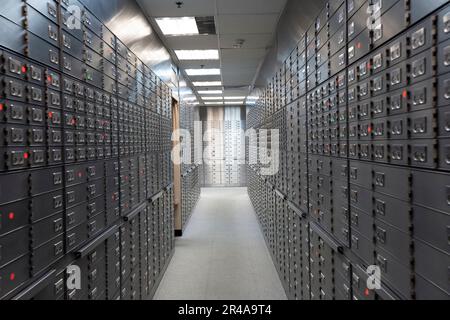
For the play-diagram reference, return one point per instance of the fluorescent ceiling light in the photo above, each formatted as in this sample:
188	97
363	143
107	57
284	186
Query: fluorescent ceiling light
234	102
178	26
197	54
203	72
207	83
252	98
214	103
212	98
189	98
210	92
234	98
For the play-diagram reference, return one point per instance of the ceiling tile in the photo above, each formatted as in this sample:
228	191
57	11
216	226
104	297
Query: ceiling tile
243	64
197	64
236	54
239	82
208	88
243	24
205	78
250	6
167	8
252	41
255	21
193	42
242	78
235	92
236	72
242	58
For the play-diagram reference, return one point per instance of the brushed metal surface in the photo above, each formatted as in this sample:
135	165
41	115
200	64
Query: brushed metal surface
298	15
126	20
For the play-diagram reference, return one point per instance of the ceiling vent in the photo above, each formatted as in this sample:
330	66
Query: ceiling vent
206	25
238	44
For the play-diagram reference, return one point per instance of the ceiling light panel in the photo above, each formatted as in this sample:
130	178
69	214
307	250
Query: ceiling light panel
178	26
214	103
181	26
234	102
234	98
203	72
210	91
212	98
197	54
207	83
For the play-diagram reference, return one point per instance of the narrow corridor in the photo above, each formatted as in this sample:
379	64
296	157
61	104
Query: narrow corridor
222	254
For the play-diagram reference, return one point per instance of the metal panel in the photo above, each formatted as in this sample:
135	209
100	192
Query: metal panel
384	108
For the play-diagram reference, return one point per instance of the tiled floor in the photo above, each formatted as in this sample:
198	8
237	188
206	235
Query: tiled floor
222	254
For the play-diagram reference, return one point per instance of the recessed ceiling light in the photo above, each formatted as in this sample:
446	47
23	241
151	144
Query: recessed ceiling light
207	83
210	92
234	98
203	72
214	103
234	102
197	54
212	98
181	26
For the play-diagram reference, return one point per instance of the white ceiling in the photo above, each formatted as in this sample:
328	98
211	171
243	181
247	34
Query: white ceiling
255	21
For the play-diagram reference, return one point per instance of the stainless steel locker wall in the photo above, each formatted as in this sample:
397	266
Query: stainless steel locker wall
363	182
191	174
85	170
224	156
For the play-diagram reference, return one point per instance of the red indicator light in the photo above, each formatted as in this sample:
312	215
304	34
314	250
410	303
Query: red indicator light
24	69
1	106
11	216
50	115
26	155
80	174
12	276
72	122
405	94
49	79
366	292
369	65
359	45
369	129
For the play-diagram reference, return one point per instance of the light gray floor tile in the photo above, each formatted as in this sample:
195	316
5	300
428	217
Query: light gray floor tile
222	254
